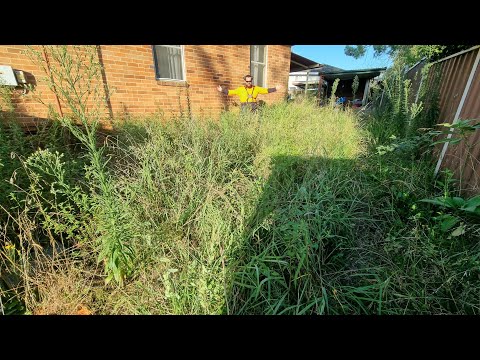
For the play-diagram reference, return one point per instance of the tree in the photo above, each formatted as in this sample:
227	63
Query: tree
406	54
358	51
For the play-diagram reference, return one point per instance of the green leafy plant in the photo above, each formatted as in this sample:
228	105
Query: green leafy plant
462	129
74	74
460	133
458	207
355	85
334	90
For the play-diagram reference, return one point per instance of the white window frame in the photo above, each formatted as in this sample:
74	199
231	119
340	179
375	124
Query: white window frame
156	63
265	77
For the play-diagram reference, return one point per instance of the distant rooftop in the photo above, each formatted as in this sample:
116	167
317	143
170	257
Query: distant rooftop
349	74
301	64
325	69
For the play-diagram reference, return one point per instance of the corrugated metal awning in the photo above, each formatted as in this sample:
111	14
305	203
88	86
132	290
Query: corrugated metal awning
299	63
350	74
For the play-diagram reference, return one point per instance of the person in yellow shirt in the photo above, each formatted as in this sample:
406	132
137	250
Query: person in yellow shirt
248	93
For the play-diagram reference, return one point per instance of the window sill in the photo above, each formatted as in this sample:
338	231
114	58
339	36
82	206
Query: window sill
177	83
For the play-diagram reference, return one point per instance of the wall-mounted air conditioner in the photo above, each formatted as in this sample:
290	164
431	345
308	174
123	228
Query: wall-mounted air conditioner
7	76
11	77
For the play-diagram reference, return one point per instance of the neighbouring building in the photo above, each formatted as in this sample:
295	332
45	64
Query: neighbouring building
171	78
307	75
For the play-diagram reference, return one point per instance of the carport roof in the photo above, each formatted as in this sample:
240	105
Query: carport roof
350	74
299	63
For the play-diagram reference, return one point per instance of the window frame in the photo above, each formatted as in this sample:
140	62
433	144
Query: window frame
156	65
265	74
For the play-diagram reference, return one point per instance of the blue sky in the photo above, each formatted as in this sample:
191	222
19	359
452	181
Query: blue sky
334	55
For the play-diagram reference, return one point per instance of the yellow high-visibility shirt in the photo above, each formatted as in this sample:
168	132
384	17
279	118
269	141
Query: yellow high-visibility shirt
248	95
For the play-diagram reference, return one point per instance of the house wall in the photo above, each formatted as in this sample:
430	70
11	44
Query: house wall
28	109
130	73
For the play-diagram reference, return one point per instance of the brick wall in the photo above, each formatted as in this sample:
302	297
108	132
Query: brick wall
130	73
27	107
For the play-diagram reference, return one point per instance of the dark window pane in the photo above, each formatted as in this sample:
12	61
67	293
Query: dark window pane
169	62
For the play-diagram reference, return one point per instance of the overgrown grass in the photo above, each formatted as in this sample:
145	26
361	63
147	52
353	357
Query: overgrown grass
291	211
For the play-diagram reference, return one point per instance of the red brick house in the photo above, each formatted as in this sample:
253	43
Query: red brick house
171	78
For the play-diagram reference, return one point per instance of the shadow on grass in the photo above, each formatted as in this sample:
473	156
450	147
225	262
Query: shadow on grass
298	243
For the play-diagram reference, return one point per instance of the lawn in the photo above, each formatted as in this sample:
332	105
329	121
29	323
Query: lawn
295	210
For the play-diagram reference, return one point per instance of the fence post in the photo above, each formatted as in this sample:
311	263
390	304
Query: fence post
365	92
306	82
459	109
419	87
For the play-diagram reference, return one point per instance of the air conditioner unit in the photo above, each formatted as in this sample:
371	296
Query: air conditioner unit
7	76
20	75
11	77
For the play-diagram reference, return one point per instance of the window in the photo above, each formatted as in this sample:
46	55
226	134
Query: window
169	64
258	64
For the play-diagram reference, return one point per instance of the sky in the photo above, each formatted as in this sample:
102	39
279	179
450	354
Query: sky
334	55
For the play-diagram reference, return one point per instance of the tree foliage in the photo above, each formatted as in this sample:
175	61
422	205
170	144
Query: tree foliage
407	54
